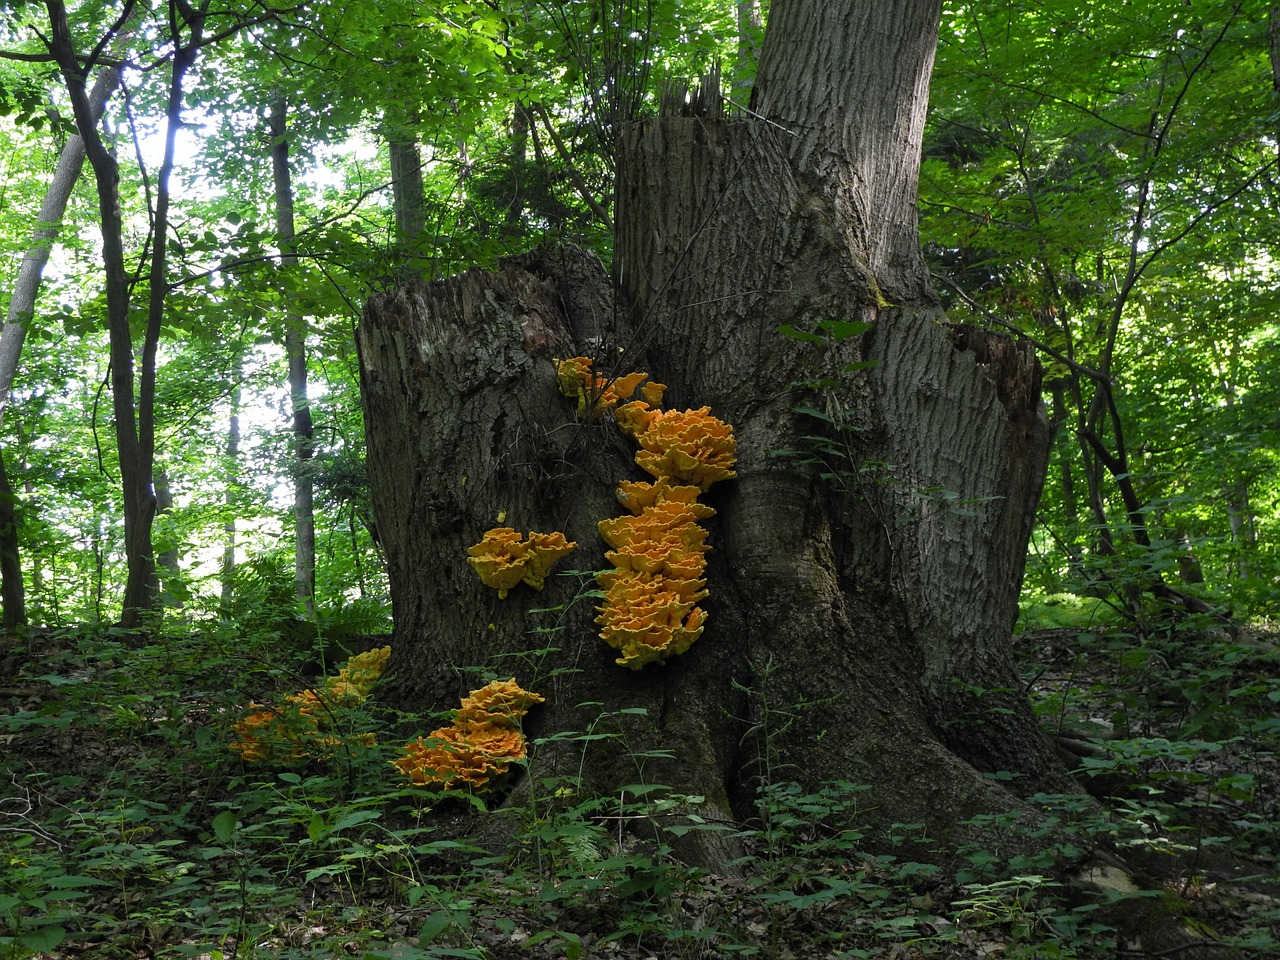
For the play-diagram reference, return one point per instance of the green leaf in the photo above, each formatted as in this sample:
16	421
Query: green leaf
354	817
436	924
795	333
813	412
844	329
224	825
42	939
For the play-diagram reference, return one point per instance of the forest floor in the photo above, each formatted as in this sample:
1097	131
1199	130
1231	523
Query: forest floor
128	830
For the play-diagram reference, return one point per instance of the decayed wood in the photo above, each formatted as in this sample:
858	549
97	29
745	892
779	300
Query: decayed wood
848	608
466	431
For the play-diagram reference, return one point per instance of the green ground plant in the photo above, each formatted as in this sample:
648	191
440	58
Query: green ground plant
129	827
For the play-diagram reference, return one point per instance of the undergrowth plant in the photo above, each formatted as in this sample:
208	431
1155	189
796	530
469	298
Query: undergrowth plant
127	827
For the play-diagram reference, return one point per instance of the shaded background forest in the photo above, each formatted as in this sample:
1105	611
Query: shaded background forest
1099	181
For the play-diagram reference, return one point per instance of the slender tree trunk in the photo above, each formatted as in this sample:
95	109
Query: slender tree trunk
22	301
12	593
406	188
295	345
231	497
135	464
37	567
750	35
1240	522
171	588
521	122
143	589
1274	37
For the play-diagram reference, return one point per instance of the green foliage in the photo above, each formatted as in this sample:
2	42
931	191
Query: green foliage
1091	199
130	824
127	826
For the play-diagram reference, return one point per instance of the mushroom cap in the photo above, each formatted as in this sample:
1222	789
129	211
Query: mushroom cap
637	495
579	379
650	618
643	641
688	445
503	558
669	519
483	741
356	679
630	593
636	417
471	754
501	700
541	551
499	559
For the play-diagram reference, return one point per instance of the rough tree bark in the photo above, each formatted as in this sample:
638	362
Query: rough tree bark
407	192
868	613
132	422
22	301
860	609
12	591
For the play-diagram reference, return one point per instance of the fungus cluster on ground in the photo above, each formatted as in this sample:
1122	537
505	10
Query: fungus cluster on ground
306	725
650	610
480	745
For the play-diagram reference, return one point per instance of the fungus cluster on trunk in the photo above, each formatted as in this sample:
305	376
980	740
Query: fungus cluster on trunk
650	610
503	558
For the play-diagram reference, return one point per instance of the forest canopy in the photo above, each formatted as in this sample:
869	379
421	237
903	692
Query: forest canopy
1100	183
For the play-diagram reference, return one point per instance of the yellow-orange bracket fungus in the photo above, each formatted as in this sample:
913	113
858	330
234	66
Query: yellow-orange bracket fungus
594	391
481	744
687	445
636	495
501	702
650	611
650	607
503	558
356	679
301	726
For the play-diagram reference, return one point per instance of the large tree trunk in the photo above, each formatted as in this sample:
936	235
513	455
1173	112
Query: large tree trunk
860	611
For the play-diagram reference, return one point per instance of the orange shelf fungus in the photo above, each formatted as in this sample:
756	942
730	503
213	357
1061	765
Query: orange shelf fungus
636	495
649	611
688	445
503	558
481	744
298	729
579	380
502	701
357	678
542	551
